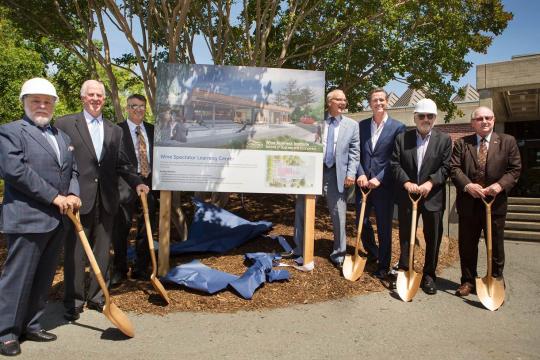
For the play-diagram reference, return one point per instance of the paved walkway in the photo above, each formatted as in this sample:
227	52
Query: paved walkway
375	326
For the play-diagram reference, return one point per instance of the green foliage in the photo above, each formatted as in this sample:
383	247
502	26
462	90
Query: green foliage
18	63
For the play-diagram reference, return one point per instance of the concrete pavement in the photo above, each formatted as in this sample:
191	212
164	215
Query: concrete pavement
375	326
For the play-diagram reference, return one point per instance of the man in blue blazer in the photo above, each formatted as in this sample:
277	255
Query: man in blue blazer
40	174
341	154
377	136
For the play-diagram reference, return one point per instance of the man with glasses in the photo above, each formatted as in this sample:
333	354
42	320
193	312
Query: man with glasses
377	136
138	142
484	164
421	164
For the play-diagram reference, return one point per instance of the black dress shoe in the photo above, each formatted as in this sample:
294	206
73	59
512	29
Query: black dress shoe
73	313
118	278
140	275
39	336
10	348
428	285
98	306
289	255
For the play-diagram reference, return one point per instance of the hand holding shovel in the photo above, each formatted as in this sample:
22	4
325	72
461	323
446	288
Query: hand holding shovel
353	267
158	286
110	310
408	282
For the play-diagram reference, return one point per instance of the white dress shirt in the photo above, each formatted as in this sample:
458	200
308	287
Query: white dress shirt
336	132
479	138
376	130
421	147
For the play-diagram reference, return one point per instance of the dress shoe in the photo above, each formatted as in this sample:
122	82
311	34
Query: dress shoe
117	279
465	289
338	265
73	313
140	275
39	336
379	274
10	348
428	285
289	255
98	306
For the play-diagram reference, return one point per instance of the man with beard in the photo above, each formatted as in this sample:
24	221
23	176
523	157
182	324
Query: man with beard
40	174
101	160
421	165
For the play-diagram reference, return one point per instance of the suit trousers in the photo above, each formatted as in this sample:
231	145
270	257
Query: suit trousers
470	228
381	200
122	227
26	279
98	227
433	229
337	207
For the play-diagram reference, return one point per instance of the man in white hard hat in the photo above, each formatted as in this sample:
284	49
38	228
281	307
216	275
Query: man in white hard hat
40	179
420	165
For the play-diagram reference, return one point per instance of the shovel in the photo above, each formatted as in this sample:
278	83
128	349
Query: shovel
110	310
490	290
153	278
353	266
408	282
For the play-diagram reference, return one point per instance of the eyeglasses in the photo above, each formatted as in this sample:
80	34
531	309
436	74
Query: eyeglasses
423	116
137	107
481	118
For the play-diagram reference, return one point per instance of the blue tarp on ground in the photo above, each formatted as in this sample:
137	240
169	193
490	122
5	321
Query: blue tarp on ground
216	230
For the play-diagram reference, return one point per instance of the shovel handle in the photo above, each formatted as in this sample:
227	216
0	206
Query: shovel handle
489	245
144	202
412	240
361	221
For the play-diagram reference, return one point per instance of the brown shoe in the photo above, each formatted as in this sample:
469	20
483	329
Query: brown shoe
465	289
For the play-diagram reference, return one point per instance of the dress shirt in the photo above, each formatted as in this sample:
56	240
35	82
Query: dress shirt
51	139
376	131
336	132
479	138
89	118
132	128
421	146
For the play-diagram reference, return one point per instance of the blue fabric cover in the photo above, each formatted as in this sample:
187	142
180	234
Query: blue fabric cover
216	230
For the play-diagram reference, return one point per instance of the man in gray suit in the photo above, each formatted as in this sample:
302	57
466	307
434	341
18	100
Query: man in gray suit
421	164
341	145
40	174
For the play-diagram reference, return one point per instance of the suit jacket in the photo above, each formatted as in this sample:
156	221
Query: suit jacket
34	177
435	166
375	163
99	177
503	166
347	151
127	194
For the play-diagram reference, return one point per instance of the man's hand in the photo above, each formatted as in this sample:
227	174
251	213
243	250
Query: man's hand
349	181
362	181
493	190
425	188
411	187
62	203
74	202
475	190
142	188
373	183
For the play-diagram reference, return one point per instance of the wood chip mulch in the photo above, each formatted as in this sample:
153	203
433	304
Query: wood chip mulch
324	283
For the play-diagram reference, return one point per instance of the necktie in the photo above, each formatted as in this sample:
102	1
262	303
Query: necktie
329	156
482	159
142	154
47	132
95	134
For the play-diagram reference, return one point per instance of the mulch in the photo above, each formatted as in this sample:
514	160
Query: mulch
324	283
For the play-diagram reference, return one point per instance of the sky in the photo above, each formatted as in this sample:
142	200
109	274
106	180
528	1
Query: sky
522	36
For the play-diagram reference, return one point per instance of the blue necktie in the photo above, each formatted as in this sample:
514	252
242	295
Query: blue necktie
329	156
95	134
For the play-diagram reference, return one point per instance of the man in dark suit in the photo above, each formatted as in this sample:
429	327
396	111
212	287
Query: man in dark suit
138	141
377	136
340	143
101	159
40	174
421	165
483	164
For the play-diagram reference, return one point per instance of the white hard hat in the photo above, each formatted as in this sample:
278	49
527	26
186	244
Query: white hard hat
38	86
426	106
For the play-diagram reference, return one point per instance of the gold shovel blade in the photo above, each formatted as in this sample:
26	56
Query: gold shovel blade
353	268
119	319
407	284
490	295
158	286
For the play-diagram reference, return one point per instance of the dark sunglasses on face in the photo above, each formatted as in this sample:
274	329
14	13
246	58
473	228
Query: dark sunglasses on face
481	118
423	116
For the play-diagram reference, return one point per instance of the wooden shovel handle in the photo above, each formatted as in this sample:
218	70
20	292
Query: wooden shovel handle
361	222
144	202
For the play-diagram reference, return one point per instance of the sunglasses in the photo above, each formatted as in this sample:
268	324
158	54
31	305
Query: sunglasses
423	116
137	107
481	118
